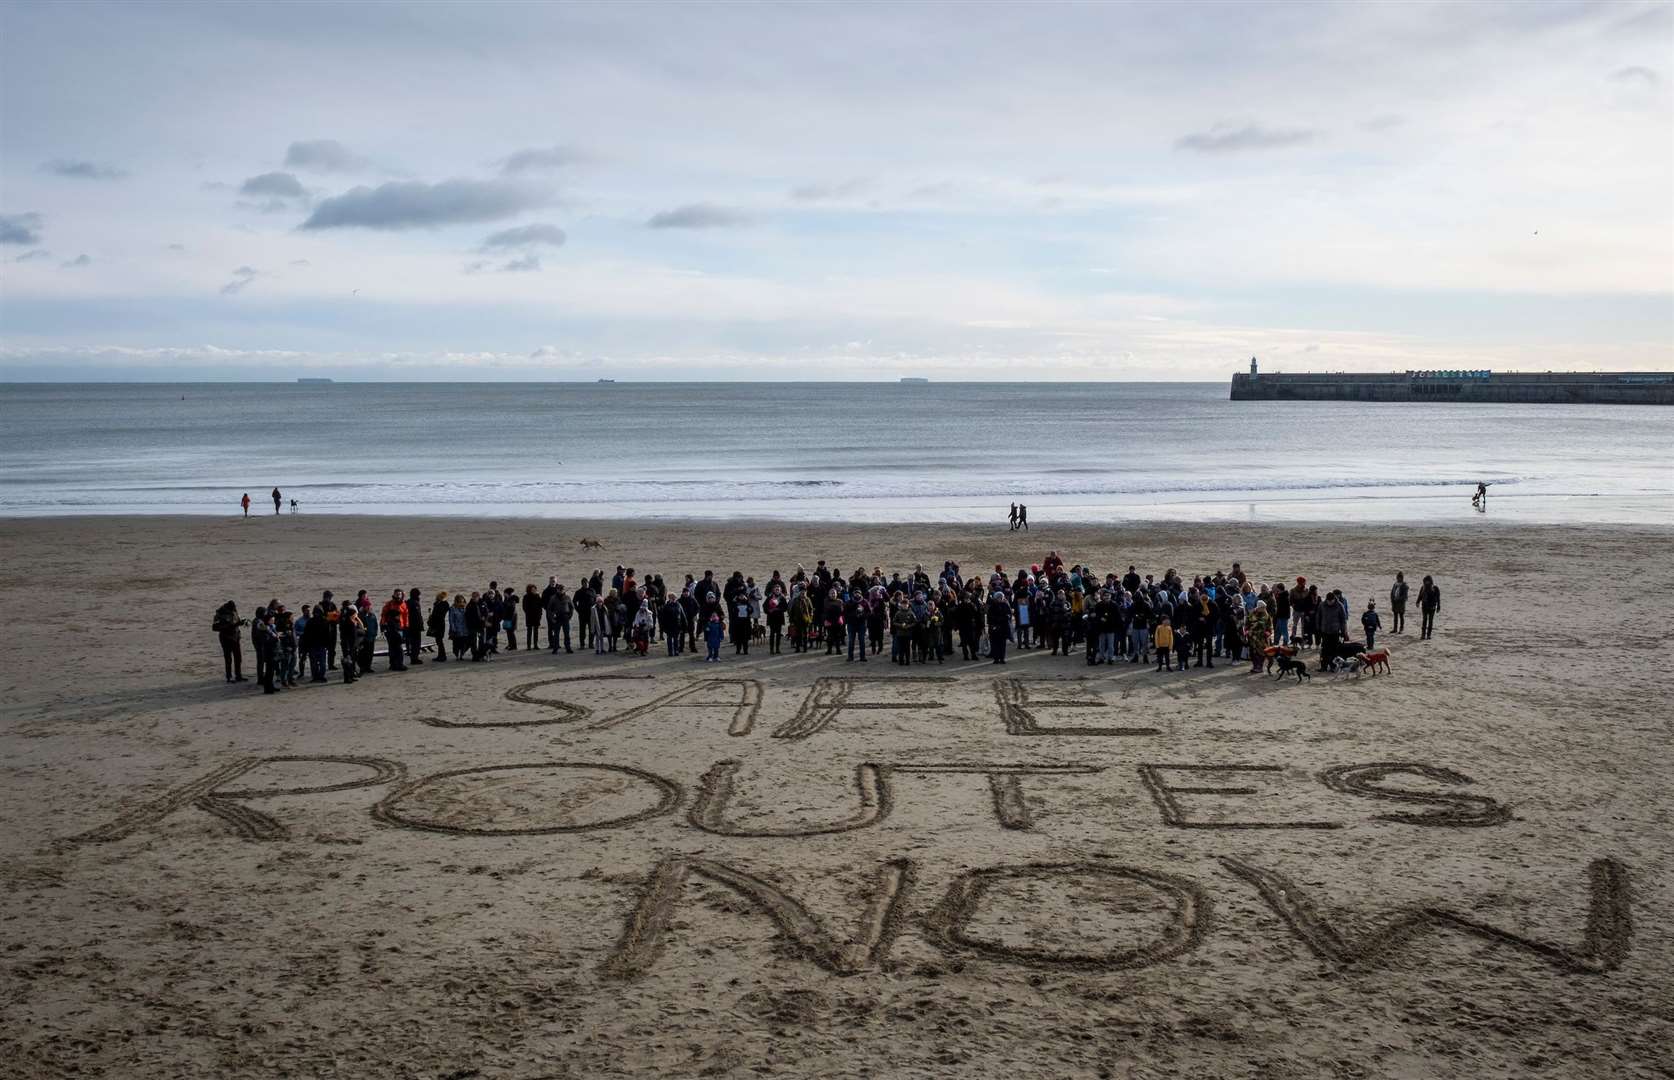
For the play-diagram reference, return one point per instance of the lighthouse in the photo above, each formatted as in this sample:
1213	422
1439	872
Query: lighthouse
1252	367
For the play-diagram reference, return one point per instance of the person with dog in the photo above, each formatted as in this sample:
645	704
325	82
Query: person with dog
1370	623
1398	603
1259	630
1332	626
1429	602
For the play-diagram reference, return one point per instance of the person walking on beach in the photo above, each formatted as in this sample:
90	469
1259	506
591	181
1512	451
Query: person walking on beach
276	498
1013	518
1370	623
1022	517
1398	603
245	503
226	627
1429	602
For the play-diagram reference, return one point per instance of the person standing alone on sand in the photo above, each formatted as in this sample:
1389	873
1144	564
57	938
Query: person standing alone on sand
245	503
226	626
1429	602
1398	603
276	498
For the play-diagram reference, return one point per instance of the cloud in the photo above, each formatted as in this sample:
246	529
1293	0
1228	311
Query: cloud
411	204
34	256
942	189
1226	139
278	185
525	236
301	262
698	216
522	265
1383	122
323	155
1635	74
22	228
540	159
177	247
82	170
821	192
241	277
76	263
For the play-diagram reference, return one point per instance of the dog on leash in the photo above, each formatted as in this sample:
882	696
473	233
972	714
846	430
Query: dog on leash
1289	666
1274	652
588	543
758	633
1372	660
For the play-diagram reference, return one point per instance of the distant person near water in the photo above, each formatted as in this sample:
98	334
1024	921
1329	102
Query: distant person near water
276	499
1013	518
1022	517
1480	499
245	503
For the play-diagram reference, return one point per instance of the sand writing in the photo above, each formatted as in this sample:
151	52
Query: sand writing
648	923
876	796
1604	943
665	793
1189	915
831	695
1164	795
1018	709
1457	809
207	794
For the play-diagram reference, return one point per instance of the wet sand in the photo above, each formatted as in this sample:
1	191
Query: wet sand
576	866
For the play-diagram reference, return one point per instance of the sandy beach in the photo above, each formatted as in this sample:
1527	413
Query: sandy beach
791	866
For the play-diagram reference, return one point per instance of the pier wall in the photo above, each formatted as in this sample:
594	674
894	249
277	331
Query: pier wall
1558	387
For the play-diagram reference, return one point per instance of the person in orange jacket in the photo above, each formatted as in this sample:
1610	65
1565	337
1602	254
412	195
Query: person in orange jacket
394	620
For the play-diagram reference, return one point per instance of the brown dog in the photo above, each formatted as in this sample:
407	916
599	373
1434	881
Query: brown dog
590	544
1374	660
1273	652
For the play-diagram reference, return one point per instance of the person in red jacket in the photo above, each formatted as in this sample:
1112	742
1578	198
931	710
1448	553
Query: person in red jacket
394	621
245	503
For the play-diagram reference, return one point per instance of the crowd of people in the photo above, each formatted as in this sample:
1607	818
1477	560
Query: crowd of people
924	618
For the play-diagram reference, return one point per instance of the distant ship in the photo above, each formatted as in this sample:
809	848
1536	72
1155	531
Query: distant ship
607	380
913	380
314	380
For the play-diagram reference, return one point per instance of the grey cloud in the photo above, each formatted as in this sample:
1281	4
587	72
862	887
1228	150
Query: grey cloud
523	265
540	159
82	170
301	262
241	277
931	192
177	247
525	236
1225	139
1383	122
22	228
1637	73
411	204
323	155
33	256
698	216
79	261
821	192
279	185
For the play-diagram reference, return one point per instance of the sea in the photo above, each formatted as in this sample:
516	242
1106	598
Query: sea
854	452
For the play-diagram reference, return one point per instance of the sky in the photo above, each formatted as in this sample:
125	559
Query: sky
832	191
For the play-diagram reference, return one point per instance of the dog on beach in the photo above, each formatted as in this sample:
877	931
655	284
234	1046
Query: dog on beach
1276	652
759	633
1372	660
1289	666
588	543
